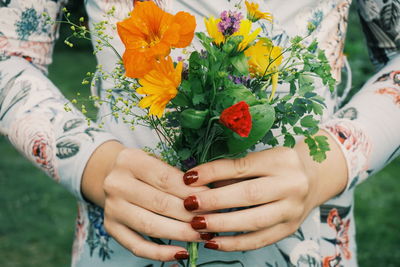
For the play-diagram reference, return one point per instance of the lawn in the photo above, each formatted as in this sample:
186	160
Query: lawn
37	215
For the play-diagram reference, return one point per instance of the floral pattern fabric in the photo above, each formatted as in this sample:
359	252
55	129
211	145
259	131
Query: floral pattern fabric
32	115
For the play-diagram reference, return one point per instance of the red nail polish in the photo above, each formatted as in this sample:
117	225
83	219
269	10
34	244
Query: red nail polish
190	177
211	245
191	203
207	236
182	255
198	222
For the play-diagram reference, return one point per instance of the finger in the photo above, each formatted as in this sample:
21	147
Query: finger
142	247
251	219
246	193
255	164
149	223
252	240
156	173
141	194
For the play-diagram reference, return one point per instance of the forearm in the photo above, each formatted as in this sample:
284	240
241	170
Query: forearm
33	117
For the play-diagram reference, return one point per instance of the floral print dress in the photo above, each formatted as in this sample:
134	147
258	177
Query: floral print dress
33	117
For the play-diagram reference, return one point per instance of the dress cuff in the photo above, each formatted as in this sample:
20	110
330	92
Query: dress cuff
355	145
71	168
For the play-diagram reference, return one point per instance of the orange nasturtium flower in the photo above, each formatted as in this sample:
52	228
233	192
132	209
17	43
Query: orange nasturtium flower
254	14
150	33
160	85
264	59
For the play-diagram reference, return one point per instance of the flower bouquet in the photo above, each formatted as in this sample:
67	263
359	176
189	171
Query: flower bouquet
219	100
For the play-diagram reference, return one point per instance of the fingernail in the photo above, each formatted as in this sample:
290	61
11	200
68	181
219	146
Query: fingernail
191	203
190	177
207	236
182	255
198	223
211	245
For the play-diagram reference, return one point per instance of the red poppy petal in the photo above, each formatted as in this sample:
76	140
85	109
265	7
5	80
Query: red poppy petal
237	118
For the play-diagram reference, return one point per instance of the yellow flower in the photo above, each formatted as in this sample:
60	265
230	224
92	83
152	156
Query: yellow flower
254	14
160	85
244	30
212	29
264	59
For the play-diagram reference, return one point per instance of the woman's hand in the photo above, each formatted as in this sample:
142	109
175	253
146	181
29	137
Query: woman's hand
279	186
140	194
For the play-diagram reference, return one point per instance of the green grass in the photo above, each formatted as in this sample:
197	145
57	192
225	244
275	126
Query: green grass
37	215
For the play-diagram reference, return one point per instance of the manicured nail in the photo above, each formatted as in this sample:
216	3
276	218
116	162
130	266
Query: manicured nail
191	203
207	236
198	223
190	177
211	245
182	255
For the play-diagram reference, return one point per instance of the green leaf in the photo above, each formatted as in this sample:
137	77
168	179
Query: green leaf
299	106
318	146
196	84
317	108
281	107
310	94
308	121
313	46
263	117
184	153
206	42
322	142
292	118
180	100
297	130
269	139
306	84
319	99
240	63
297	39
185	88
232	43
198	99
232	95
193	119
293	87
289	140
195	62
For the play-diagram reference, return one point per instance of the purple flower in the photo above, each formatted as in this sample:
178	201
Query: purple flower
203	53
245	80
189	163
230	22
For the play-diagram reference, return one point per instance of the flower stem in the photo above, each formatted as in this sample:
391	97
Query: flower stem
194	254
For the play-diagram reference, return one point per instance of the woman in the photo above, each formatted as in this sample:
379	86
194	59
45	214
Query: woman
303	213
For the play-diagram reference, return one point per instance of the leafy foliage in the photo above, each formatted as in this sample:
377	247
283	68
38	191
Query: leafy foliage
216	78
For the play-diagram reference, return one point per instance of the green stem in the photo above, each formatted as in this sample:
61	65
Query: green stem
207	140
194	254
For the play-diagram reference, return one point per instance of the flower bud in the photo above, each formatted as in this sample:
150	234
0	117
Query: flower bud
193	119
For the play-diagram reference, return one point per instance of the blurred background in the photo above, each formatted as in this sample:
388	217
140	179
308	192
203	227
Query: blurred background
37	215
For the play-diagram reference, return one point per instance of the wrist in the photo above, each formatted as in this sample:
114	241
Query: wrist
328	178
97	168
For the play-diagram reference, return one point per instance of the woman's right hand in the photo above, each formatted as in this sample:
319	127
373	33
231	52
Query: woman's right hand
140	195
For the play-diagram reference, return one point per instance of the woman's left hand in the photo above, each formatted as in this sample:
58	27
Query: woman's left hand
280	187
